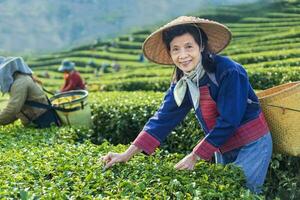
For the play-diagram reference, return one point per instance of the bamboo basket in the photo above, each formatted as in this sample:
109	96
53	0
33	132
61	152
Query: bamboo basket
281	107
73	108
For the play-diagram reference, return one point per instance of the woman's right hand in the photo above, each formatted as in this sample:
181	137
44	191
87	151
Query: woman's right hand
112	158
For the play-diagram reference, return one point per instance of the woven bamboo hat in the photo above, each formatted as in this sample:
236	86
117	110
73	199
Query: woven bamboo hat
218	35
66	65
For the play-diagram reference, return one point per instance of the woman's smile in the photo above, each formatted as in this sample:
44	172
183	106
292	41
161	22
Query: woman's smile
185	52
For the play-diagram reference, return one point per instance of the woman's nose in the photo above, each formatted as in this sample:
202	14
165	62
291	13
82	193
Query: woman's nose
182	54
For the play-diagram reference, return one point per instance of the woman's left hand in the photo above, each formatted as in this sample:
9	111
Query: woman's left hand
188	162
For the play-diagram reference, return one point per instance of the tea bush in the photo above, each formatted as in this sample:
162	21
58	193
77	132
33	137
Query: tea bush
61	164
283	178
146	84
260	78
49	164
119	116
267	78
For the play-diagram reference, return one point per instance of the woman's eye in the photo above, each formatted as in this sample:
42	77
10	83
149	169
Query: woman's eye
174	49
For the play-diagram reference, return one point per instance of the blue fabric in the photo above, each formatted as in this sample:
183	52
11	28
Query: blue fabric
253	158
168	116
230	96
8	66
66	66
47	119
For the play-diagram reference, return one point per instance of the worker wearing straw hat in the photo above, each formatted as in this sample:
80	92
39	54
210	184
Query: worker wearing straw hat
73	80
219	91
27	100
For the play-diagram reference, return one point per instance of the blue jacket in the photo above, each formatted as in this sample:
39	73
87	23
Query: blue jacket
228	107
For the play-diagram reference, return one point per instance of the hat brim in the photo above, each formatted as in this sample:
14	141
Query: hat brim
155	50
4	61
63	68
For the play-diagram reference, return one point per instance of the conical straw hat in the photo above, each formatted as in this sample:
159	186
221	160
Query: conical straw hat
218	35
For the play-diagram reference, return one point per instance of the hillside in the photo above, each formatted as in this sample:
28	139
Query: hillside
268	46
38	26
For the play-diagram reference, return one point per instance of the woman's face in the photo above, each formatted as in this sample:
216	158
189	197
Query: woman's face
185	52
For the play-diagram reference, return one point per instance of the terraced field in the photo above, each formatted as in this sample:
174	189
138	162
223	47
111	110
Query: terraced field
263	44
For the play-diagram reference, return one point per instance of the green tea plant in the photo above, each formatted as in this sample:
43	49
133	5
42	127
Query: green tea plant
268	47
119	116
51	164
283	178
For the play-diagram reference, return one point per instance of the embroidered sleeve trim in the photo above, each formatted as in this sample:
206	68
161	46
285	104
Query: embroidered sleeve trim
146	142
205	150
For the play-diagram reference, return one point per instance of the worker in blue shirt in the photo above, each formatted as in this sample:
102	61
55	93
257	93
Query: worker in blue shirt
218	89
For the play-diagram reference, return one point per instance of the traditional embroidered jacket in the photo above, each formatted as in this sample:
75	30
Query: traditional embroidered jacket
228	113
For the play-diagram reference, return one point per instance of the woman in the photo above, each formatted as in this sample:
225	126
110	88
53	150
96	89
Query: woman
27	100
219	91
73	80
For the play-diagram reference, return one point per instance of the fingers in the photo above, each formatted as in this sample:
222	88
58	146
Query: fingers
183	166
179	165
107	157
185	163
110	163
111	159
190	167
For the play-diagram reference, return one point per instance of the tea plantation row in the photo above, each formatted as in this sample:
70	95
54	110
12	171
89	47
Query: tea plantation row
58	163
259	77
119	116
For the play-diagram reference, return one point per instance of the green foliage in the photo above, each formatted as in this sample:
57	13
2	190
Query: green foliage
268	47
89	46
129	45
146	84
142	32
263	79
124	51
283	179
260	78
49	164
119	117
147	181
266	56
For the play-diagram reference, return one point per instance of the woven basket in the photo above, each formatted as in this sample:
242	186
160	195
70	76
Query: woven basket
281	107
77	110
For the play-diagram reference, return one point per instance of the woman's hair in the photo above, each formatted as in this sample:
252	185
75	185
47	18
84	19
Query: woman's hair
207	57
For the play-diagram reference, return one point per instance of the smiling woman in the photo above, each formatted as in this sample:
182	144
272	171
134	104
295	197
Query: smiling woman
185	52
218	90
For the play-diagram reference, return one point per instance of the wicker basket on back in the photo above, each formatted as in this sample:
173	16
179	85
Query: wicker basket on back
281	107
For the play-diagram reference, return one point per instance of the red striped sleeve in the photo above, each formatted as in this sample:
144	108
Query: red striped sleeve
146	142
205	150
